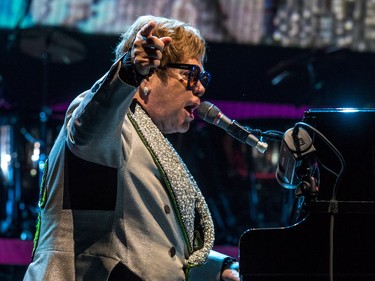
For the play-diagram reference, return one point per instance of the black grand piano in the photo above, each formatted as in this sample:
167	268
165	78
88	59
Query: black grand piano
331	234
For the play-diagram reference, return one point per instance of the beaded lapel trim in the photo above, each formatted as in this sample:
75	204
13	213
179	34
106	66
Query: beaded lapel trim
180	183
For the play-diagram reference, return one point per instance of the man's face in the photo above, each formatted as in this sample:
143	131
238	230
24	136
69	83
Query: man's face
170	105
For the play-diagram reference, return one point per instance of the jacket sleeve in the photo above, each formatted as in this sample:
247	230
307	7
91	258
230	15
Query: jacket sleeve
95	118
211	270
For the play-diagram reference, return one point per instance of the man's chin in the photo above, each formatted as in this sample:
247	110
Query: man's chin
184	128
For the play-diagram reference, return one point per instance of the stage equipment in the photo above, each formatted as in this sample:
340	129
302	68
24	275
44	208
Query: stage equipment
330	234
211	114
30	133
51	45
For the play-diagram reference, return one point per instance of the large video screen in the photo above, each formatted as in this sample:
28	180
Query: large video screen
298	23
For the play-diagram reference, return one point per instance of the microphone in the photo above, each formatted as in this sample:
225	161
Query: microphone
296	158
211	114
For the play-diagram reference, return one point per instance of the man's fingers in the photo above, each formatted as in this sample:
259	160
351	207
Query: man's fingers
154	43
148	40
147	49
146	31
166	41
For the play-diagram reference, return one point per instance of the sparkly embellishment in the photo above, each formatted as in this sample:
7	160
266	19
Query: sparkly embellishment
183	188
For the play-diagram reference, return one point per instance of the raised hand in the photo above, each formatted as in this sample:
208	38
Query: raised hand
147	49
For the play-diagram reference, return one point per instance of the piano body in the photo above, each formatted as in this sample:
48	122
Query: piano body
325	240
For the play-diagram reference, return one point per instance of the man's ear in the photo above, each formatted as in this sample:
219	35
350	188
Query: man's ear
145	88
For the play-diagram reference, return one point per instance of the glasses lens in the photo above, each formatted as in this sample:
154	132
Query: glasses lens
193	77
205	79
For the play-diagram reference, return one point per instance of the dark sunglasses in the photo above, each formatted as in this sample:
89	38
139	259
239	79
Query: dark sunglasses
195	74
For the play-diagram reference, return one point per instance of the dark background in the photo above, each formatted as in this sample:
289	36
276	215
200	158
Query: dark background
239	184
327	77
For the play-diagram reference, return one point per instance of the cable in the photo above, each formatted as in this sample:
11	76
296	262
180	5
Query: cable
327	169
335	150
267	135
333	203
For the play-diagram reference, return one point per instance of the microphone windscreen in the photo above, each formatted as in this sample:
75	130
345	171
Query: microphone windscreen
208	112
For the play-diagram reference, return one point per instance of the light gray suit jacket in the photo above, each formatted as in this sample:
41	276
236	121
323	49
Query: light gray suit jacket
104	202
